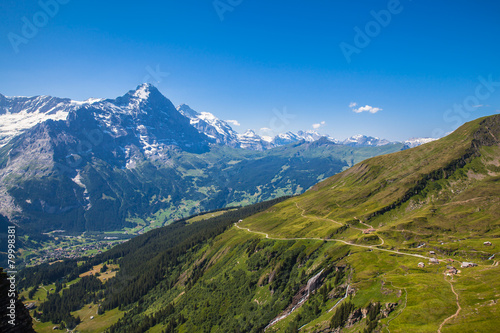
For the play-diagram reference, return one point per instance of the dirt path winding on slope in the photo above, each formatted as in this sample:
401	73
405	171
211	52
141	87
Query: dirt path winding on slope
458	305
373	247
303	214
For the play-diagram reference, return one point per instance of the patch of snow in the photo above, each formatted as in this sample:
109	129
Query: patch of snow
142	92
414	142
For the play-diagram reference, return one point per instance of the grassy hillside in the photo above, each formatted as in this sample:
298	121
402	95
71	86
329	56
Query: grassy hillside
353	254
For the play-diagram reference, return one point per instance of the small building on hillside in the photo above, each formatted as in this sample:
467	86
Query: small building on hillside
452	270
369	231
488	243
421	265
432	252
434	261
468	264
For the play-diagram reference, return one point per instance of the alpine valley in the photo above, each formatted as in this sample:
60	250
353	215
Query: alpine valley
136	162
404	242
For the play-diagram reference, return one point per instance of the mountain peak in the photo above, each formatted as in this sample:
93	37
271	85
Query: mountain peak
143	91
141	100
249	132
146	86
187	111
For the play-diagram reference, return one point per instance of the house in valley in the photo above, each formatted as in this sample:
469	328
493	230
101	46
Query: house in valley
468	264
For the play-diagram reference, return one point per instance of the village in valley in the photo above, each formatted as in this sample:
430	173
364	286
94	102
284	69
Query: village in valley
64	246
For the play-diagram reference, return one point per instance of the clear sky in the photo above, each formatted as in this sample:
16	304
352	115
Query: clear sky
413	68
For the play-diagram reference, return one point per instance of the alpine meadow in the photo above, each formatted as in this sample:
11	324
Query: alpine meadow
230	166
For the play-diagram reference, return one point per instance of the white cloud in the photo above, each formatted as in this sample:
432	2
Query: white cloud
233	122
265	129
316	126
366	108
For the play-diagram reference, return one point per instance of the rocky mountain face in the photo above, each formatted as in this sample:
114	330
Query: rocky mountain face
148	118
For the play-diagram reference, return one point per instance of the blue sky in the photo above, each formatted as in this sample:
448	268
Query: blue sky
428	66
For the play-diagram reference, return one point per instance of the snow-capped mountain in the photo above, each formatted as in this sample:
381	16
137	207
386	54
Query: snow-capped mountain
211	126
363	140
290	137
285	138
353	141
310	136
150	120
250	140
414	142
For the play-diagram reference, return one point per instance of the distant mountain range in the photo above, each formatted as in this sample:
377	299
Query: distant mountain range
18	114
104	164
222	132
